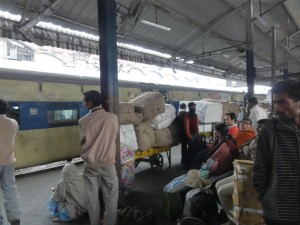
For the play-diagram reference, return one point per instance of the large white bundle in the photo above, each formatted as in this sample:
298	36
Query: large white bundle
206	127
165	119
209	112
128	137
145	136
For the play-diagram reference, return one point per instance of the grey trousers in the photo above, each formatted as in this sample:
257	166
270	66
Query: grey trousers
106	179
225	189
10	193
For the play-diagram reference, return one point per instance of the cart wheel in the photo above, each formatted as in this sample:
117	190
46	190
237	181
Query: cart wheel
136	163
157	162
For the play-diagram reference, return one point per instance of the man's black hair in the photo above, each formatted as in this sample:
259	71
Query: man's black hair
191	104
93	96
222	128
291	87
3	106
253	100
182	106
231	115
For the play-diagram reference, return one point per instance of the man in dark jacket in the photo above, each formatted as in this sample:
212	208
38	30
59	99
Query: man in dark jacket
276	175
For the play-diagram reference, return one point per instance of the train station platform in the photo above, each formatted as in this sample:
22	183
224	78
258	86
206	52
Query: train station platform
35	191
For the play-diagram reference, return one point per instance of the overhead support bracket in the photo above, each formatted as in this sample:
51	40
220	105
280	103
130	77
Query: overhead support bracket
26	25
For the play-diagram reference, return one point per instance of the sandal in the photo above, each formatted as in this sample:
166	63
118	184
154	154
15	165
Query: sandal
56	219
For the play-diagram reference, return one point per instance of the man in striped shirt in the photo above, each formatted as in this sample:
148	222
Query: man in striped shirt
276	172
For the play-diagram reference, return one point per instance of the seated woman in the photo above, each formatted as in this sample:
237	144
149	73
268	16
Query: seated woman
221	156
218	165
69	200
245	133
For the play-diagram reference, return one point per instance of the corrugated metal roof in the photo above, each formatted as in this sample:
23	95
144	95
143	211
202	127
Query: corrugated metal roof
210	32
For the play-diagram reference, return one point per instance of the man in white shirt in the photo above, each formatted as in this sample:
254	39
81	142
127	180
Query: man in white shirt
256	113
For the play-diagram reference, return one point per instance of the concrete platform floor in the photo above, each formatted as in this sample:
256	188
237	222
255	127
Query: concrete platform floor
35	191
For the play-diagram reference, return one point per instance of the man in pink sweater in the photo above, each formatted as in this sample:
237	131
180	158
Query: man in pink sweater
99	130
8	130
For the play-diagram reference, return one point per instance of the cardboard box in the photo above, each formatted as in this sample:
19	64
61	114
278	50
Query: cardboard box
247	208
249	217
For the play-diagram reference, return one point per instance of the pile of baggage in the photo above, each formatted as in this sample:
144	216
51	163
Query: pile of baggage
146	121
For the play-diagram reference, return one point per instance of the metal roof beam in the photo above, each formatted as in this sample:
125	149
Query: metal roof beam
25	13
281	77
216	52
191	21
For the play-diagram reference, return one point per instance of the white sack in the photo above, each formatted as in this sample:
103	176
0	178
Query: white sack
209	112
128	137
165	119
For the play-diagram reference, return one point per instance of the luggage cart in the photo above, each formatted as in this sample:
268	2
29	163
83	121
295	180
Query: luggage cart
153	156
208	136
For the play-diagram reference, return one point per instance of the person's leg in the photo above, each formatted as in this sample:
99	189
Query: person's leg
91	183
224	181
10	193
183	151
1	217
225	193
110	186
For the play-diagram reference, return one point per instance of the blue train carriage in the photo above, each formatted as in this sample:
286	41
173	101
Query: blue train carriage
48	132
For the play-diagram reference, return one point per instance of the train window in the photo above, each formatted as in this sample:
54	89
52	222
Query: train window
67	116
20	52
13	112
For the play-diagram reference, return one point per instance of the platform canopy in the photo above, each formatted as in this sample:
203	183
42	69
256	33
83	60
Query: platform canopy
202	36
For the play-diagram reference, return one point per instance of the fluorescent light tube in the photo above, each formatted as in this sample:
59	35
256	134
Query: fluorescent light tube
156	25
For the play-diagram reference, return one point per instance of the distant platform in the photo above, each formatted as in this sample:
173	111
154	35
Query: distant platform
46	166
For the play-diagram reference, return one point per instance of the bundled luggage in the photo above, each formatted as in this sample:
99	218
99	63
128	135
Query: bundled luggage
149	104
173	197
186	220
204	207
135	216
